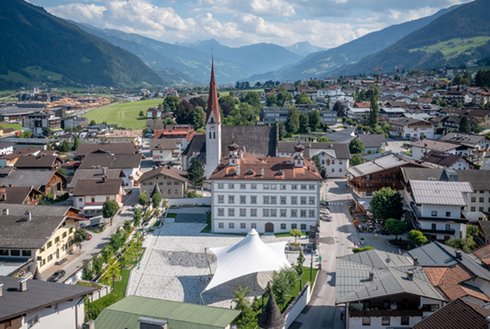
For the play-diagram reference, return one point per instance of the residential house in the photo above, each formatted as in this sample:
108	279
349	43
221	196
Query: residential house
456	274
20	195
421	147
272	115
20	111
384	290
457	315
169	182
153	113
111	148
369	177
39	161
392	112
89	195
360	114
269	194
447	160
373	143
44	181
474	147
6	148
95	174
333	157
129	164
480	198
411	128
42	233
135	312
42	305
166	151
42	122
184	133
437	208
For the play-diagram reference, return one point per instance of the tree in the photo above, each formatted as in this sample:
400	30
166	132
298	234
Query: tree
317	161
195	173
282	284
304	125
184	113
92	123
482	78
87	272
373	114
143	199
356	146
299	264
253	99
314	119
198	118
97	264
338	107
244	115
464	125
271	100
303	99
64	147
283	97
356	160
472	231
386	203
292	122
198	102
141	114
295	233
127	226
109	209
156	199
417	238
137	215
170	103
75	143
242	303
460	244
227	104
395	227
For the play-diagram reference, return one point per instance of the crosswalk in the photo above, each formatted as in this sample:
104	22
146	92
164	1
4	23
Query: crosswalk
337	203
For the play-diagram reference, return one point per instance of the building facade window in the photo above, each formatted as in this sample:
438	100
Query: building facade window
231	225
253	199
385	321
253	212
243	212
221	212
243	199
221	199
366	321
231	212
243	225
433	213
282	200
231	199
283	226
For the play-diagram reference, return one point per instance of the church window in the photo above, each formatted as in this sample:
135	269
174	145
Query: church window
214	135
210	135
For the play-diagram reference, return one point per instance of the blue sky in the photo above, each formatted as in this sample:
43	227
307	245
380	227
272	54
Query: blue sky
325	23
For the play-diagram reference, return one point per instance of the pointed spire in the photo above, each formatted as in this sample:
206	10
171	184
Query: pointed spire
213	104
271	317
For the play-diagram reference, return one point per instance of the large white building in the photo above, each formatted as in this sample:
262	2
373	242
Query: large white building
269	194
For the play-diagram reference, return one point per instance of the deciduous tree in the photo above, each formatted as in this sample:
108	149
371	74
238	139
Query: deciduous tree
386	203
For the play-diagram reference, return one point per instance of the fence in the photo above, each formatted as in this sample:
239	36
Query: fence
182	202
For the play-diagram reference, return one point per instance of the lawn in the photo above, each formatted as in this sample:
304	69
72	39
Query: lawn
125	115
454	47
16	126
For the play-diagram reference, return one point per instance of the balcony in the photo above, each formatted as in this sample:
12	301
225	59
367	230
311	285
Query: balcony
381	312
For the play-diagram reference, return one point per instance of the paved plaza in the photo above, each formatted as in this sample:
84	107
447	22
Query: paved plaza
176	267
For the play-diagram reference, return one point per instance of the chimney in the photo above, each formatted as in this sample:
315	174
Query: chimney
6	211
1	289
415	261
371	276
410	275
237	171
23	285
459	256
262	172
29	216
104	171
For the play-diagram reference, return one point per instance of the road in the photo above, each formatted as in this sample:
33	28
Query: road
337	239
93	246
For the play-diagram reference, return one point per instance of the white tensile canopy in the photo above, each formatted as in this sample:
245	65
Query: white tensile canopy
250	255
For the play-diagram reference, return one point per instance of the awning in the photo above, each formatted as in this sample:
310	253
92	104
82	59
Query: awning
250	255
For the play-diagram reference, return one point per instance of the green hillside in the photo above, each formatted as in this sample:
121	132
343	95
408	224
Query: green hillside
39	48
454	47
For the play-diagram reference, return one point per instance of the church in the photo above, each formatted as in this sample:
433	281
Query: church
211	147
251	187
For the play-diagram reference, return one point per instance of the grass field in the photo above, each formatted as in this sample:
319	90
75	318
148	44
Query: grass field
16	126
454	47
125	115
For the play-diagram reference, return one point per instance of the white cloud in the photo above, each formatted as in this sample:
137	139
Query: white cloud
272	7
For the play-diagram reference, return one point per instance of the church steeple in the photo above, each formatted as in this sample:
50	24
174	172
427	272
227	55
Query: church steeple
213	104
213	127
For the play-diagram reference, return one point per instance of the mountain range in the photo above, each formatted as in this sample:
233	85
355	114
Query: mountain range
458	38
38	48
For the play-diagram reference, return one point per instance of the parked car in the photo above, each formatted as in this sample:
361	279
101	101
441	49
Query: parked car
57	276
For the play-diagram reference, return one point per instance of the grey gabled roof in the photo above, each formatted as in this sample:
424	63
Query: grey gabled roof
114	148
18	232
258	140
440	193
111	161
39	295
372	140
95	174
390	277
437	254
28	177
107	187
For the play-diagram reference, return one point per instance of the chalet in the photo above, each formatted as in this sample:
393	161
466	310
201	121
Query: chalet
475	147
373	143
39	161
438	208
20	195
42	233
38	304
169	182
447	160
110	148
44	181
129	164
411	128
420	148
184	133
166	151
89	195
